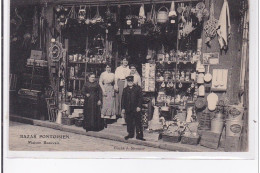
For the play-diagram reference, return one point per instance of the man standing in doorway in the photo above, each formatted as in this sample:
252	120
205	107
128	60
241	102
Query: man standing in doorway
131	107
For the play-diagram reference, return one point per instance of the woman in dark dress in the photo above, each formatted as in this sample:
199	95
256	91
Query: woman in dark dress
92	113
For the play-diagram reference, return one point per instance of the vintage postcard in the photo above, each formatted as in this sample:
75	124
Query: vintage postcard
135	79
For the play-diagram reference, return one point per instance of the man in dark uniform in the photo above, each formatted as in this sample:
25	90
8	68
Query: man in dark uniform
131	106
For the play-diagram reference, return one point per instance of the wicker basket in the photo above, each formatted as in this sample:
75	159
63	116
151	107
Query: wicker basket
67	121
171	138
79	122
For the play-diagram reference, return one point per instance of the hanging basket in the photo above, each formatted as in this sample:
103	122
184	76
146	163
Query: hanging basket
163	16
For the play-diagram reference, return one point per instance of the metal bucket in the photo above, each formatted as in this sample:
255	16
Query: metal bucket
235	112
217	125
233	127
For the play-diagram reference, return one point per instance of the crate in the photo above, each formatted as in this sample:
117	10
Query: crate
79	122
171	138
190	140
210	139
67	121
208	144
210	136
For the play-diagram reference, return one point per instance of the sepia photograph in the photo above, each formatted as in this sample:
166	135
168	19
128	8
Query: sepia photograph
129	76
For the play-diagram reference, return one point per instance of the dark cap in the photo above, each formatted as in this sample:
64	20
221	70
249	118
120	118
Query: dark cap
130	78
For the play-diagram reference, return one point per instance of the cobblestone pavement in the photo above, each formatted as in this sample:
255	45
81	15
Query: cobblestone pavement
24	137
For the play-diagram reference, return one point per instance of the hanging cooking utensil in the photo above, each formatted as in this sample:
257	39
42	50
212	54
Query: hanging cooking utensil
108	12
180	8
163	85
129	17
142	16
150	14
200	6
171	84
99	18
168	85
154	20
162	16
180	85
82	13
17	20
58	8
172	12
87	21
156	29
211	25
71	16
187	29
200	11
187	11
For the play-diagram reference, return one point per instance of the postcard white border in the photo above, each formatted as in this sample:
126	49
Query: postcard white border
253	111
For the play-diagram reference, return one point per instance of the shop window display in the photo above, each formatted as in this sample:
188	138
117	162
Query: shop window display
162	46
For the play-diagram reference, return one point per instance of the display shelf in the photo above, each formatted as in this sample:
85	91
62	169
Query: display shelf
76	78
159	104
69	104
92	63
35	75
186	82
77	62
89	63
173	62
27	65
131	31
181	61
178	81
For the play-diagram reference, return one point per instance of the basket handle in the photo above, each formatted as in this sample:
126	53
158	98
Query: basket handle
167	10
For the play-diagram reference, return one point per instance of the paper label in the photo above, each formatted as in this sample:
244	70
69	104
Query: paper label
235	128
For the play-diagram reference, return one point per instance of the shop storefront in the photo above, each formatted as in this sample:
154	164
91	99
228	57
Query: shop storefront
190	59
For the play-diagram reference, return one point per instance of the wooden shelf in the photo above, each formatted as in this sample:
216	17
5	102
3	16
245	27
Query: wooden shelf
188	82
173	62
76	79
31	66
91	63
88	63
35	75
136	31
77	62
185	82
